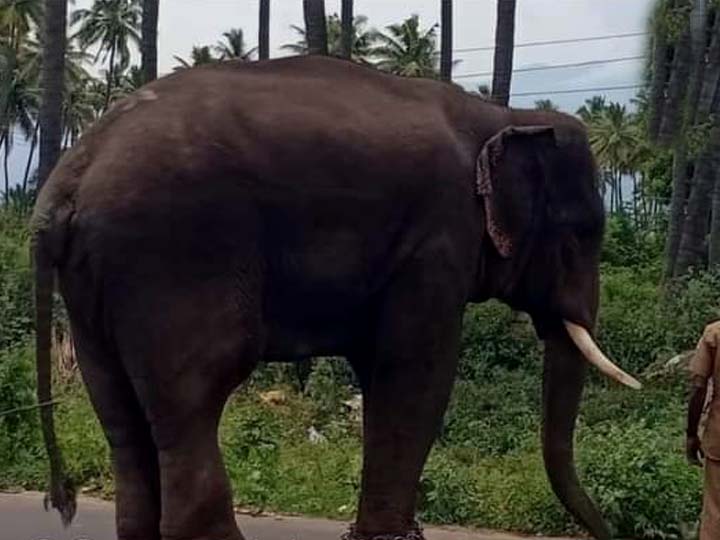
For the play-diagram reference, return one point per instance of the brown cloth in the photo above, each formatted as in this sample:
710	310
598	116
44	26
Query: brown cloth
710	521
706	364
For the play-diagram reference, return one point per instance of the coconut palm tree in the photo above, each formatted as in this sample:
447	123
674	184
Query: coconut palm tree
148	48
112	25
613	134
362	39
408	50
17	18
18	105
682	83
198	56
504	51
446	53
78	110
264	30
347	32
546	105
54	40
234	46
315	26
593	107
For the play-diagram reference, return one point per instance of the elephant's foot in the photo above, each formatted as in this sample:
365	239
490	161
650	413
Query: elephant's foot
416	533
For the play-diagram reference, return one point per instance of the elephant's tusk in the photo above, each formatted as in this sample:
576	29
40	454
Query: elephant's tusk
582	339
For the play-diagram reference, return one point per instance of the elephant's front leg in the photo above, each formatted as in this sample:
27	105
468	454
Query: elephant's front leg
413	369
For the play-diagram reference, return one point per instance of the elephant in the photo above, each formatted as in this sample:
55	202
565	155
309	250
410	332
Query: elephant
278	210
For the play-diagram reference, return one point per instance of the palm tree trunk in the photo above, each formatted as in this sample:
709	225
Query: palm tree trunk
110	77
714	255
33	147
264	30
678	201
504	46
315	26
698	32
148	46
711	76
634	199
677	89
348	28
53	83
6	153
692	243
446	52
660	71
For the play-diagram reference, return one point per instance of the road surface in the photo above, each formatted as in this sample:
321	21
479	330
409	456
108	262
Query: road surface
22	517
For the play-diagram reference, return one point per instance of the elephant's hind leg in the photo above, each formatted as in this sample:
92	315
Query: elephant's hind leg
133	451
184	363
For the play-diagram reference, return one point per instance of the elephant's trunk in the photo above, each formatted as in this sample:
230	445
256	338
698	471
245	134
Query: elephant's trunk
563	382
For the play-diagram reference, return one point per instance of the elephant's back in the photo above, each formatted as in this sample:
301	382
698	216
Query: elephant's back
311	124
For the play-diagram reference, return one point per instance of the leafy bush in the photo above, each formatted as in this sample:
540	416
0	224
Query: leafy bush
641	480
15	280
495	337
20	441
640	324
627	245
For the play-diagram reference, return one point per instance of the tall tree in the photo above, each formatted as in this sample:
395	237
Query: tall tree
62	493
363	39
546	105
199	56
264	30
504	51
408	50
446	45
347	28
18	104
52	84
315	26
148	47
17	17
112	25
234	47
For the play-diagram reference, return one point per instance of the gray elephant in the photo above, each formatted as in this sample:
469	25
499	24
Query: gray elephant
301	207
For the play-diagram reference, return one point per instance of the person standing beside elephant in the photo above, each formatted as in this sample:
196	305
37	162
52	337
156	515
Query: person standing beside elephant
705	368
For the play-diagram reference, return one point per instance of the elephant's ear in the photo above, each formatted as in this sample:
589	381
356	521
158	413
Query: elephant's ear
510	173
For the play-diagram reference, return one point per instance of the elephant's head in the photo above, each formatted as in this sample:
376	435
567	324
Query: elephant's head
544	219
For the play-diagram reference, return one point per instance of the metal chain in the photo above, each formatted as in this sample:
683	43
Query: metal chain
29	407
415	534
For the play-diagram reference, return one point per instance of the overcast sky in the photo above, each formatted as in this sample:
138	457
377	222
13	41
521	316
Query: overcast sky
184	23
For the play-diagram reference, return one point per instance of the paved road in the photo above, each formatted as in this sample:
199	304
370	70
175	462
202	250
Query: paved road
22	518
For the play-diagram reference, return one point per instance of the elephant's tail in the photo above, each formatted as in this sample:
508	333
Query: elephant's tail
61	495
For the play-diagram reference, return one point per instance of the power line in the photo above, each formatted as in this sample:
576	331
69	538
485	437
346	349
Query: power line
579	90
557	42
555	66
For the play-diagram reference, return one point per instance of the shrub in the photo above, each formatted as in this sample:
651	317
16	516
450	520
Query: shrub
641	480
627	245
21	448
16	310
494	337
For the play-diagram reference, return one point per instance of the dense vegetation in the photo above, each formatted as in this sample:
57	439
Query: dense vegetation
486	469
